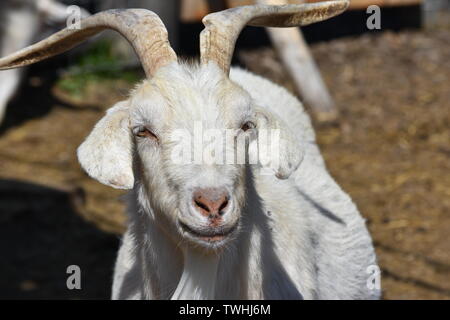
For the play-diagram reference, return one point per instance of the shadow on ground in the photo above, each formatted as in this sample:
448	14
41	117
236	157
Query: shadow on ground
41	235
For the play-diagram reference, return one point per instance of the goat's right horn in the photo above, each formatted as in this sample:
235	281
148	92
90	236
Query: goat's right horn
222	28
142	28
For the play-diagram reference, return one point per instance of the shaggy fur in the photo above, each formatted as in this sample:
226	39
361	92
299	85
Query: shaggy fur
298	237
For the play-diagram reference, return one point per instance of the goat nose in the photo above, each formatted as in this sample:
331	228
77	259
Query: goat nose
211	202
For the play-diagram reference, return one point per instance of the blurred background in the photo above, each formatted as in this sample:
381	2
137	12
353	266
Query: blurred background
387	142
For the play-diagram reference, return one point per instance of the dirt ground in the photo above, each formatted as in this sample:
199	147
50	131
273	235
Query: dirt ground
390	150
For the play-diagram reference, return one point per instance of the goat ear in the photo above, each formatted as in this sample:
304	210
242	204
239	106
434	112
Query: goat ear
278	149
106	154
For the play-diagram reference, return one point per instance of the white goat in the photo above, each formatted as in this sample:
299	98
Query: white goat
201	230
21	22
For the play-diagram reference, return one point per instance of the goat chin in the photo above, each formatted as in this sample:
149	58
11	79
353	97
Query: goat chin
198	281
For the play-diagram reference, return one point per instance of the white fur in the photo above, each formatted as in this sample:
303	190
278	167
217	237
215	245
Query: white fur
198	280
297	238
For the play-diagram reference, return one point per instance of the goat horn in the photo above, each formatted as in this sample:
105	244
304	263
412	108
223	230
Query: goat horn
222	28
142	28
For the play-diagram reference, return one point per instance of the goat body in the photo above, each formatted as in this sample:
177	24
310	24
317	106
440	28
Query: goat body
301	238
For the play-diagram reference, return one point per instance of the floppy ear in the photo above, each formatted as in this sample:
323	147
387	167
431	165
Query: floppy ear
106	154
277	147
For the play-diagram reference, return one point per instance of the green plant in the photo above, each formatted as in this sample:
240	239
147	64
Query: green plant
97	65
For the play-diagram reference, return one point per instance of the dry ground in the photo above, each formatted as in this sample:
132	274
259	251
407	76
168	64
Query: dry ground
390	150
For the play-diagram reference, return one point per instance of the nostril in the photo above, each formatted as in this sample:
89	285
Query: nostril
223	206
201	205
210	202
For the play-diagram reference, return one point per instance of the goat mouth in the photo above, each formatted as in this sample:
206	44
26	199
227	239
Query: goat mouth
210	235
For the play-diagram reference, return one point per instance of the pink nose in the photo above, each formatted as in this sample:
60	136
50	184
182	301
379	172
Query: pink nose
211	202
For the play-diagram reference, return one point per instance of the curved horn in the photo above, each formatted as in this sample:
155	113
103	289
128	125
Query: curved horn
142	28
222	28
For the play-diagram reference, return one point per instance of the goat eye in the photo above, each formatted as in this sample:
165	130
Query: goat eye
248	125
144	132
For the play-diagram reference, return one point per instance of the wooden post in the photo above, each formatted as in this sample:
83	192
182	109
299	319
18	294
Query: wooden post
296	57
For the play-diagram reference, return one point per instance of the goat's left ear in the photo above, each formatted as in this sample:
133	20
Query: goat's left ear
278	149
106	154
